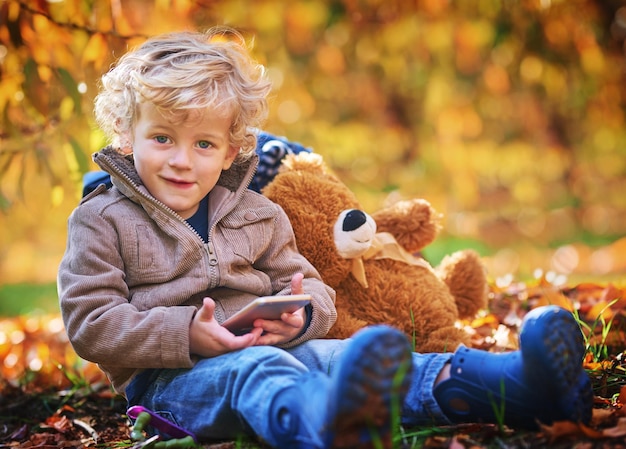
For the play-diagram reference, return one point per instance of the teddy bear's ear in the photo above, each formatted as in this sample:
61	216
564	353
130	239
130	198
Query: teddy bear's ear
309	162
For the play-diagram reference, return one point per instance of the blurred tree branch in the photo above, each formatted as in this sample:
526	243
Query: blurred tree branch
508	116
115	9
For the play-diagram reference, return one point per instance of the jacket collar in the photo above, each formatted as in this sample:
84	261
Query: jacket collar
124	176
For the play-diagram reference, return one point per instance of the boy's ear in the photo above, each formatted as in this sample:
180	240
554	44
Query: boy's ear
126	142
231	154
124	135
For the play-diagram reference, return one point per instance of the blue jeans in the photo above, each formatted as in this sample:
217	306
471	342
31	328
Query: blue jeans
226	396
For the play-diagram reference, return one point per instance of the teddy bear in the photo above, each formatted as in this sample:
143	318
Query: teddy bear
372	261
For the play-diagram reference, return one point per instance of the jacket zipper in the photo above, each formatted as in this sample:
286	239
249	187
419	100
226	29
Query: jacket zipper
110	165
210	249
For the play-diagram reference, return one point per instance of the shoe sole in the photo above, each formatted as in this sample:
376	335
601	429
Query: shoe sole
372	381
552	339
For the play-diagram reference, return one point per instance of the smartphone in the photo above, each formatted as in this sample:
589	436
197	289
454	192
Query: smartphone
267	308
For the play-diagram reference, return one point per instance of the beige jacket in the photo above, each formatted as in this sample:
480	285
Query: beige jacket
134	272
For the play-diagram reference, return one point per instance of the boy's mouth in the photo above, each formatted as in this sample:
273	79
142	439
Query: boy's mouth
178	182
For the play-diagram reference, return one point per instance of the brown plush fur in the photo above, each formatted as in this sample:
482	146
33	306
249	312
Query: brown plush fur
424	303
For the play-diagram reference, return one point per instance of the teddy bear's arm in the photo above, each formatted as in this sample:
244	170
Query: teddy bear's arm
414	223
346	325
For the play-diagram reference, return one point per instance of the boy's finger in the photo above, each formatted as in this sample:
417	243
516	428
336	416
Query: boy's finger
294	321
206	311
249	339
296	284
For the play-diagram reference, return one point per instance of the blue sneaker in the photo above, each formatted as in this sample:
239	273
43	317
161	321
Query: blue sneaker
352	406
542	382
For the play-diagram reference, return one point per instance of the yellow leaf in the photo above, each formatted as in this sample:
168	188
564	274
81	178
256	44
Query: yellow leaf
14	11
41	24
56	196
95	49
44	72
552	297
601	308
66	108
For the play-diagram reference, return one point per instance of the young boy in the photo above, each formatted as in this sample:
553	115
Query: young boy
156	263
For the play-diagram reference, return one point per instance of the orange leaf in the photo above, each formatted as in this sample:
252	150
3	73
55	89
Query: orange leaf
602	416
611	293
568	429
455	444
601	308
67	408
618	431
548	294
621	401
487	320
622	395
598	366
95	50
59	423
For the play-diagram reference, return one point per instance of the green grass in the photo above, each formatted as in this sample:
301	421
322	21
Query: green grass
441	247
22	299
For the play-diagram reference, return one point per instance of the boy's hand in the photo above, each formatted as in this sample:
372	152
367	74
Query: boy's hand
290	324
207	338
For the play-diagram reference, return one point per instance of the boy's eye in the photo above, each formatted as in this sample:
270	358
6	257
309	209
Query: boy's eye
161	139
204	144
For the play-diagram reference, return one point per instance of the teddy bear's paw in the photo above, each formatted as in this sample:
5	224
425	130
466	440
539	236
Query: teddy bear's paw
414	223
466	277
345	326
444	339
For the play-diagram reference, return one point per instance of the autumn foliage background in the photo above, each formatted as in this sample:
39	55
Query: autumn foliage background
508	116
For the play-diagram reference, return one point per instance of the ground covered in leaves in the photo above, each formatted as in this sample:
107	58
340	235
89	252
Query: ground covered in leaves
50	398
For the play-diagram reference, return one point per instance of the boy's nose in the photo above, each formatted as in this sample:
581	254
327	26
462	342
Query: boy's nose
180	157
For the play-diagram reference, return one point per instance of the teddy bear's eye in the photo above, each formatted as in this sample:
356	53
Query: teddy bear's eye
353	220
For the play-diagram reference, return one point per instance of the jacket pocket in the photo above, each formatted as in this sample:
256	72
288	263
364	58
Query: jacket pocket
249	232
152	258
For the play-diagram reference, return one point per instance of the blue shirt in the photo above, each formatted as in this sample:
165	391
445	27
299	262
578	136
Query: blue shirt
200	220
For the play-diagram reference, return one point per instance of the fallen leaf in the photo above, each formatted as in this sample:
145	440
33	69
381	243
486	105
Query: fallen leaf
455	444
621	398
618	431
602	416
59	423
567	429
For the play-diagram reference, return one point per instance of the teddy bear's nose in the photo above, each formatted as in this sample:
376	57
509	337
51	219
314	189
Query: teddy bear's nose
353	220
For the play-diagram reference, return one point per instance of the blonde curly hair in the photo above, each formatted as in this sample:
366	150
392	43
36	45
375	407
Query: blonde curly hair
186	72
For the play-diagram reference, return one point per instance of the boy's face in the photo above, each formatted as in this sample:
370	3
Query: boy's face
180	164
